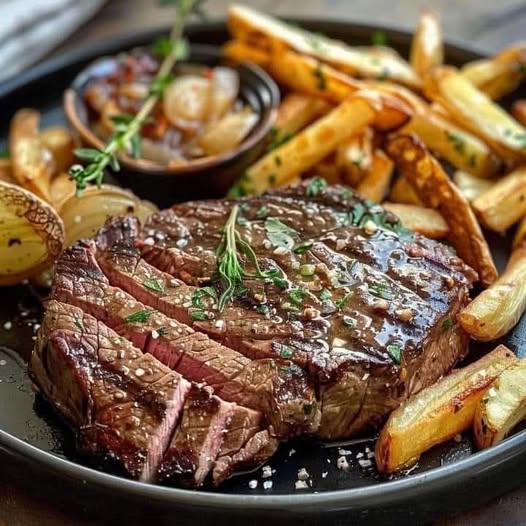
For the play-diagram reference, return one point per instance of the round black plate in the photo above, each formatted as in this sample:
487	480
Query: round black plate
448	478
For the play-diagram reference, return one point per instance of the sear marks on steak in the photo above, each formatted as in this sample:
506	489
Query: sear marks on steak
123	404
281	390
198	439
368	307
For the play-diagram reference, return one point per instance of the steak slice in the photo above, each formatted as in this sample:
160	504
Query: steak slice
122	403
281	391
198	439
368	307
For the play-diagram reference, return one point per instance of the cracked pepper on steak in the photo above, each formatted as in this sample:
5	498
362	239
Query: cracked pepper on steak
340	316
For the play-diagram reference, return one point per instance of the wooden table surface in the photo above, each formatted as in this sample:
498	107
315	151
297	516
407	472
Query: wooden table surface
482	24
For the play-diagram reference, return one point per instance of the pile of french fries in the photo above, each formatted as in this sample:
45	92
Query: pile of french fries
367	118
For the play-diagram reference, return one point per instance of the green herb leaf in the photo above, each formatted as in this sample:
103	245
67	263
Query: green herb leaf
285	351
162	47
87	154
242	221
141	316
325	295
320	76
296	296
203	292
458	142
262	212
446	324
198	315
381	290
340	304
395	352
279	234
154	284
349	322
379	38
278	139
316	185
303	247
307	408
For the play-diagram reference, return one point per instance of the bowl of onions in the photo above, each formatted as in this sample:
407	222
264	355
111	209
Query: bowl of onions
213	120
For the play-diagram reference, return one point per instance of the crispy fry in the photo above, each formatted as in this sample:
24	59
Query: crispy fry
498	309
470	186
502	205
32	163
520	234
6	172
309	146
425	221
427	47
60	142
518	110
377	179
247	24
438	413
435	189
500	75
328	169
354	156
243	52
502	407
403	192
474	110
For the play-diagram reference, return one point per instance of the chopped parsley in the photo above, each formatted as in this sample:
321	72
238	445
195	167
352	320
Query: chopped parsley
263	309
296	296
285	351
325	294
203	292
303	247
278	139
272	178
379	38
342	301
381	290
279	234
446	324
347	194
242	221
458	142
154	284
395	352
349	322
141	316
316	185
320	76
262	212
277	160
198	315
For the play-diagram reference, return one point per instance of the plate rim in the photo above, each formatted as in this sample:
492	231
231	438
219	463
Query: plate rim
383	494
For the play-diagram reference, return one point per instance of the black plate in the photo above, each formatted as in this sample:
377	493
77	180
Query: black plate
448	478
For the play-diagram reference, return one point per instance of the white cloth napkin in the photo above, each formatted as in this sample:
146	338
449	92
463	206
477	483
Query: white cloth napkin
31	28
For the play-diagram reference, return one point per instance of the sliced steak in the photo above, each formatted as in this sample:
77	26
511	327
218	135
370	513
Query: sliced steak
280	390
122	403
198	439
243	425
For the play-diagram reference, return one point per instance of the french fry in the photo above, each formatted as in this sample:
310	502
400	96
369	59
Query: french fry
518	110
60	142
502	407
247	24
427	47
6	172
309	146
403	192
500	75
502	205
354	157
520	234
438	413
376	182
498	308
471	186
328	169
436	190
473	109
425	221
31	162
242	52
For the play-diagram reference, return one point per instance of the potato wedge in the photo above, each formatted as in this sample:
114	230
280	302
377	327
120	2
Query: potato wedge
403	192
425	221
85	214
354	157
497	309
250	25
377	178
6	172
502	407
471	186
518	110
243	52
62	188
427	47
520	234
436	190
309	146
437	413
502	205
473	109
60	142
500	75
31	162
31	234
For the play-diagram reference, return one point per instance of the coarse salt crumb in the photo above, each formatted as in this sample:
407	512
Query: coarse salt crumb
267	484
301	484
139	372
344	452
266	472
2	362
366	376
253	484
8	325
324	474
343	464
303	474
365	463
291	452
359	455
149	241
370	454
77	219
155	335
458	438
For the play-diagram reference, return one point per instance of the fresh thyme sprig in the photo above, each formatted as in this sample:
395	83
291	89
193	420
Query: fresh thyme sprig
128	127
229	269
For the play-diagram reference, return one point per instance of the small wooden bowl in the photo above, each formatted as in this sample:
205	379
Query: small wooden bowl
199	178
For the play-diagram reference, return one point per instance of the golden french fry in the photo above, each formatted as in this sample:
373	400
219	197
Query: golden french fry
498	308
247	24
375	183
62	188
518	110
438	412
427	47
471	186
502	407
309	146
502	205
403	192
242	52
500	75
473	109
31	162
328	169
354	156
436	190
520	234
60	142
425	221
